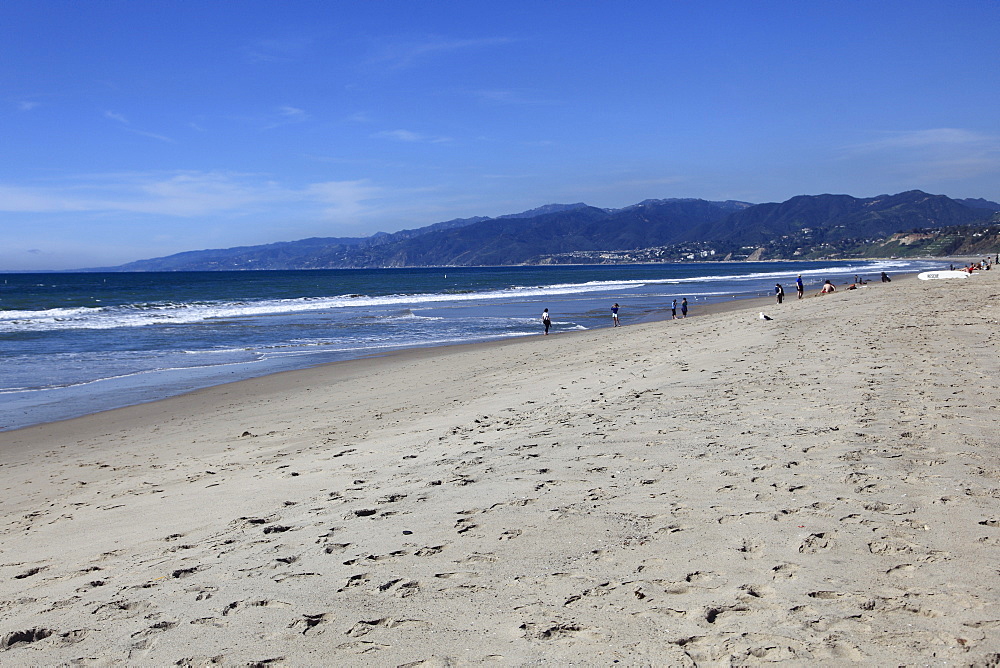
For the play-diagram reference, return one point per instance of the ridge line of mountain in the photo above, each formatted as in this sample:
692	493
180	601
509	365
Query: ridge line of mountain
803	227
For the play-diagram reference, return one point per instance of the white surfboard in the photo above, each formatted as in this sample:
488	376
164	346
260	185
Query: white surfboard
930	275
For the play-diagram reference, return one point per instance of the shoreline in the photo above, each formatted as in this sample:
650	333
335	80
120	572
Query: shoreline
820	487
721	306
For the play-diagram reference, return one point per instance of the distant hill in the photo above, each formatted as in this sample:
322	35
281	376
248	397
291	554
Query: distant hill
962	241
979	203
804	226
810	226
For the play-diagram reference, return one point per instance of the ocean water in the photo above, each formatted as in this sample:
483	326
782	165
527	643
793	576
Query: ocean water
73	344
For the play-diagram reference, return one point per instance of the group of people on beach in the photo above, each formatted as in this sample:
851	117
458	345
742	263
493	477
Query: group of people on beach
779	290
779	295
547	319
827	287
983	265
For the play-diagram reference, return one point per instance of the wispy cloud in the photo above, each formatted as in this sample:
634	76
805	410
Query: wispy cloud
934	139
342	199
291	112
152	135
510	97
188	194
410	137
407	53
120	118
360	117
27	105
939	153
526	175
284	115
279	50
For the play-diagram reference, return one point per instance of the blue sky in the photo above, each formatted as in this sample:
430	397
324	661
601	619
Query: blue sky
140	128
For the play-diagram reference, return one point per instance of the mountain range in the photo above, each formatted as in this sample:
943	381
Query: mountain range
802	227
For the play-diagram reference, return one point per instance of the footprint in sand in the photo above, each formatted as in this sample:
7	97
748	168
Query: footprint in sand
465	525
558	631
310	624
262	603
786	570
400	588
816	542
364	627
428	551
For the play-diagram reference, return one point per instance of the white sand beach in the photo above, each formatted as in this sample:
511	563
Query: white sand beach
821	488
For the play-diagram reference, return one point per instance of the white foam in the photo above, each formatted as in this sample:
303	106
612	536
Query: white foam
142	315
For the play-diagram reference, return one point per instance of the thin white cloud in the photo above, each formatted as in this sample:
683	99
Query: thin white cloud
510	176
934	139
189	194
510	97
341	199
120	118
360	117
933	154
410	137
152	135
284	115
27	105
291	112
281	50
407	53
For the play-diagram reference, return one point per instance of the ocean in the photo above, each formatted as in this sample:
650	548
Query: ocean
78	343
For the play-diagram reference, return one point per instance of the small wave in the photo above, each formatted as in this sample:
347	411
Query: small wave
130	374
149	314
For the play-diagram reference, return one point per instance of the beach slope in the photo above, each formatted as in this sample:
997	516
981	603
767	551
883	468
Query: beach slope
823	486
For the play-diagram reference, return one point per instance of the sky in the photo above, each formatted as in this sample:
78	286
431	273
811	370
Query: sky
132	129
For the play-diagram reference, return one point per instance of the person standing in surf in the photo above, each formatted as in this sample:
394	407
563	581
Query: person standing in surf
799	288
673	311
614	314
546	321
684	307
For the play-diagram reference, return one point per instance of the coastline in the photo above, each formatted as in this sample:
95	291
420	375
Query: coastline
822	486
26	409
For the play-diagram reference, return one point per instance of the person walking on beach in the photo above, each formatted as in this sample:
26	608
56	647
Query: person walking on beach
546	321
614	314
673	311
684	307
779	293
799	288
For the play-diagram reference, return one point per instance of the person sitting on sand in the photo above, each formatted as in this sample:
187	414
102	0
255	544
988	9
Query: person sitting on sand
828	287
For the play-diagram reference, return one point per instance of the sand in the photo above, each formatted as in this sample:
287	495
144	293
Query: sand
823	487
